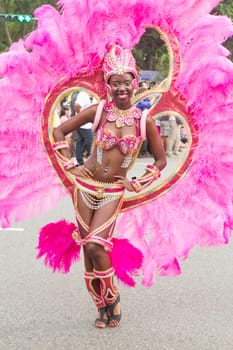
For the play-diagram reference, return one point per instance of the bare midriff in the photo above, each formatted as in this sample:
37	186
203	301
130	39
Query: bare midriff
110	167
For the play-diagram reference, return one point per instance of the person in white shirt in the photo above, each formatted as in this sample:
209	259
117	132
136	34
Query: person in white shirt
85	133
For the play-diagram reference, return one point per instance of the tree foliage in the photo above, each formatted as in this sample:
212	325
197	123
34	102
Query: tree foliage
151	52
226	8
13	31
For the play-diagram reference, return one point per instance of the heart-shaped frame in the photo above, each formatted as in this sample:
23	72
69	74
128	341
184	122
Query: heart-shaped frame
170	101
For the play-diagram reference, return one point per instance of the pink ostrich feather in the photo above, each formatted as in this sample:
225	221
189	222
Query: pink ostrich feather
198	209
126	260
59	251
57	246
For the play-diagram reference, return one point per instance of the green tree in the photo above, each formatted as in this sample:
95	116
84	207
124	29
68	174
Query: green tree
13	31
151	53
226	8
157	55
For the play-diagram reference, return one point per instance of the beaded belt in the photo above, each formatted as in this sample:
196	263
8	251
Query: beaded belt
99	189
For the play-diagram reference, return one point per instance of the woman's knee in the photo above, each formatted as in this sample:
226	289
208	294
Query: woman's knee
93	250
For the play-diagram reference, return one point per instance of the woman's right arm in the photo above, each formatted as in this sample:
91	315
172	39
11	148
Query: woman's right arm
87	115
59	133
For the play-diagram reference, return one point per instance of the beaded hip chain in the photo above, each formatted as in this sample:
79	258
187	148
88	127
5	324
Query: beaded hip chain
96	194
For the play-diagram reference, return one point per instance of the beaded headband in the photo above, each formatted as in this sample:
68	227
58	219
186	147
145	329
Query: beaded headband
119	61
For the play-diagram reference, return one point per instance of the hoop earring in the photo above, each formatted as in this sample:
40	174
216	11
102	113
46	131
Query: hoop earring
135	83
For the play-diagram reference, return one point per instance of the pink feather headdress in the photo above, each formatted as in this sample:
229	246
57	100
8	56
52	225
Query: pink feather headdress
118	61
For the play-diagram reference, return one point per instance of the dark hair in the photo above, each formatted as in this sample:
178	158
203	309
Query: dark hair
72	102
63	110
152	83
141	83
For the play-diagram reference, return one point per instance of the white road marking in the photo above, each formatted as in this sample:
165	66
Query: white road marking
12	229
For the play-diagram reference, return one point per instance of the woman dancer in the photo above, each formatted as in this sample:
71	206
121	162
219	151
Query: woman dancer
100	183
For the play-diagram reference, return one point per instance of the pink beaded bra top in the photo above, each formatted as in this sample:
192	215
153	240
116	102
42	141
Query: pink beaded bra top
106	140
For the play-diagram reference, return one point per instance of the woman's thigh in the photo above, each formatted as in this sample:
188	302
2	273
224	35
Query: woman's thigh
104	218
83	213
100	221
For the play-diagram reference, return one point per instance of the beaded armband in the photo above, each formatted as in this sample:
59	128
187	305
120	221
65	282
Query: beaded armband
70	164
67	163
144	181
60	145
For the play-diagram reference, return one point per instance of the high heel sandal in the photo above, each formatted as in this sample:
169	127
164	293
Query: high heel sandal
101	322
111	316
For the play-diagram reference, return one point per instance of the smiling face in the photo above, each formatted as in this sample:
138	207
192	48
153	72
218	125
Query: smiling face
122	89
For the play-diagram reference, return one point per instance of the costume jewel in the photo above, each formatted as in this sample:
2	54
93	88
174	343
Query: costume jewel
119	61
99	156
96	203
122	117
126	161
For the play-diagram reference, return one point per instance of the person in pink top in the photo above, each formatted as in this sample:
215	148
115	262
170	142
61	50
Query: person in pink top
101	181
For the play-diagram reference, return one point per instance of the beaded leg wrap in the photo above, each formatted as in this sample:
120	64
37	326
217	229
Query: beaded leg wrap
109	292
101	321
96	297
97	189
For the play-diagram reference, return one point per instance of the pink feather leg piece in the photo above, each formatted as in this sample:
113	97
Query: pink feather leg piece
57	246
126	260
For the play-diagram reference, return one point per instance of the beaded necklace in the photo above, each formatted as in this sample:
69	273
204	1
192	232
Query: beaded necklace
122	117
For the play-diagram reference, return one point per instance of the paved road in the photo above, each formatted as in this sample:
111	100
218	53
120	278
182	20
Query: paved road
40	310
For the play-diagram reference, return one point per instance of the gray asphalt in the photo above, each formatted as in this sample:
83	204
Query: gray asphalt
40	310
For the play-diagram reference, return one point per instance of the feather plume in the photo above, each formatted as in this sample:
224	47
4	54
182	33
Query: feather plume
57	246
126	260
